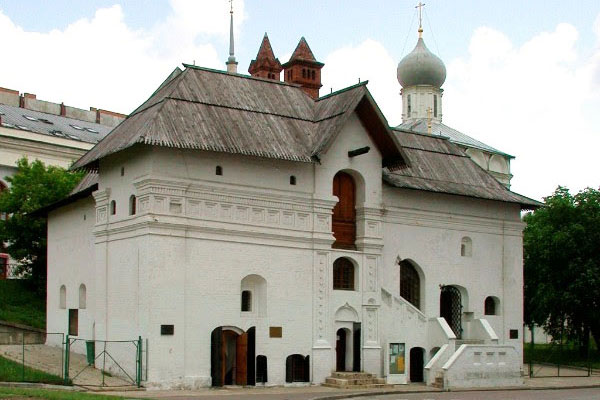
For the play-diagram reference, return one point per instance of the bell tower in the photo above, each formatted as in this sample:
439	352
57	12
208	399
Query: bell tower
265	65
304	69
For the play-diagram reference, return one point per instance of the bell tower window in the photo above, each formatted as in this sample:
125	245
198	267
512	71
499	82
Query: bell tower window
408	105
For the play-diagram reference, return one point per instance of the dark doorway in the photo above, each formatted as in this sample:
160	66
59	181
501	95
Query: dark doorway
356	347
297	368
232	357
344	212
451	308
417	359
261	369
340	350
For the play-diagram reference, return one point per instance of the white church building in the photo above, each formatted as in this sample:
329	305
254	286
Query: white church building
256	233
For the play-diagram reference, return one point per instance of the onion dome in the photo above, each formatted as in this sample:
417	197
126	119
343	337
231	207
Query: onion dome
421	67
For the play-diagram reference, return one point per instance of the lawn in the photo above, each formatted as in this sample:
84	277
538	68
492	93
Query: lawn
11	371
20	304
569	355
52	394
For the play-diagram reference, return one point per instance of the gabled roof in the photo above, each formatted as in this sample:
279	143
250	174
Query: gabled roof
211	110
439	165
440	129
264	57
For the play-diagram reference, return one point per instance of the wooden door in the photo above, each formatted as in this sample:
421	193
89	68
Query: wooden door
241	362
251	357
344	212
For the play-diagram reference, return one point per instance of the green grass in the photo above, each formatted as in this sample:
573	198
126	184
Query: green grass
11	371
552	354
21	304
52	394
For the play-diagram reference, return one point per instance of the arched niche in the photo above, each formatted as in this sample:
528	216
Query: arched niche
466	247
256	286
478	157
62	297
499	164
82	296
491	306
346	313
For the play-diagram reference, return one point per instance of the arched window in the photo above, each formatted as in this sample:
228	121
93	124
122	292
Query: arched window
132	205
466	247
297	368
292	180
410	284
246	300
62	297
344	213
343	274
113	207
82	296
261	369
491	305
219	170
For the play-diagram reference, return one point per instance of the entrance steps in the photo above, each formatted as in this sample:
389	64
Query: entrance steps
460	342
355	380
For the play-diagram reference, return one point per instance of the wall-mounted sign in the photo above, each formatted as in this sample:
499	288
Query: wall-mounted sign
397	358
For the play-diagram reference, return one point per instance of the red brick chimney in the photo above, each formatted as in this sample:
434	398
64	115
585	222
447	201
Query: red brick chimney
304	69
265	65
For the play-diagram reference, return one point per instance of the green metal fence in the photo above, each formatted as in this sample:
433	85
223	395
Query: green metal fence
58	359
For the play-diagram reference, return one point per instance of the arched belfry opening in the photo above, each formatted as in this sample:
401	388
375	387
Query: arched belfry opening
451	308
232	356
344	212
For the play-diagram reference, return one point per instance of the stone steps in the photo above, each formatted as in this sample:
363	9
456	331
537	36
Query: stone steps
354	380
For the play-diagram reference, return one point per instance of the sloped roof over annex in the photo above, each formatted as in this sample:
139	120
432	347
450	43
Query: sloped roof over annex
439	165
212	110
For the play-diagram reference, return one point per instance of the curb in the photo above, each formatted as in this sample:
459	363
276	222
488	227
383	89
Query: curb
488	389
33	385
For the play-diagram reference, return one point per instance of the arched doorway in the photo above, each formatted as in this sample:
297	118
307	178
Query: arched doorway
232	356
451	308
344	212
297	368
417	360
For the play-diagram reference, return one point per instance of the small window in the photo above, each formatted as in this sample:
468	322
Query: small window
76	127
491	306
167	330
303	72
132	204
343	274
29	117
292	180
73	321
63	297
313	74
409	105
514	333
466	247
219	170
113	207
435	105
246	300
122	171
82	297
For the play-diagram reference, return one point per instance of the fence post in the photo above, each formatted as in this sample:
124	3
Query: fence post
139	362
67	351
23	356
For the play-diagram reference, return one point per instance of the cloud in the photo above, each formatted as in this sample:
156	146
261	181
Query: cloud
102	62
530	101
370	61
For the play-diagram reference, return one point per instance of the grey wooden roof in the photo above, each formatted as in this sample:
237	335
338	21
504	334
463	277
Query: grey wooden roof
51	125
439	165
211	110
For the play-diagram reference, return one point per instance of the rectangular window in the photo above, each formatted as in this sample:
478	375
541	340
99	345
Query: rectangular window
73	321
167	330
435	105
246	300
514	334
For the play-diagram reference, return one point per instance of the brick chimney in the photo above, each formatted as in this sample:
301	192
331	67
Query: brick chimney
304	69
265	65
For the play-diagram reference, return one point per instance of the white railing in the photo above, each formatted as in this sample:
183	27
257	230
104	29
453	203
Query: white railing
482	366
440	334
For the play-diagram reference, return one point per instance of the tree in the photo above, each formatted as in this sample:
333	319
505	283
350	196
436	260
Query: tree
562	265
24	236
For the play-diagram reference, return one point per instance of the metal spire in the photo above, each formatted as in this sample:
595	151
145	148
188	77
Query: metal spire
231	63
420	7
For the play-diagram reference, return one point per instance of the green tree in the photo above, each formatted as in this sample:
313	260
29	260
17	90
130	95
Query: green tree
562	265
32	187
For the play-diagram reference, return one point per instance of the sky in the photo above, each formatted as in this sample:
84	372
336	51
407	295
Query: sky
522	76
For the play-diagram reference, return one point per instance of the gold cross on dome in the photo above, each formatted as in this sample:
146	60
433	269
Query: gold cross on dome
231	6
420	7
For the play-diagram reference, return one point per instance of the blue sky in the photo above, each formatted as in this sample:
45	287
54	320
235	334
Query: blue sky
523	76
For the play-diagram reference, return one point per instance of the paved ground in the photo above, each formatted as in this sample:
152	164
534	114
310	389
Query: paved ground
563	394
50	359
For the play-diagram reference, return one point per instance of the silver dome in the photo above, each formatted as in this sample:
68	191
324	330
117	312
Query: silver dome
421	67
